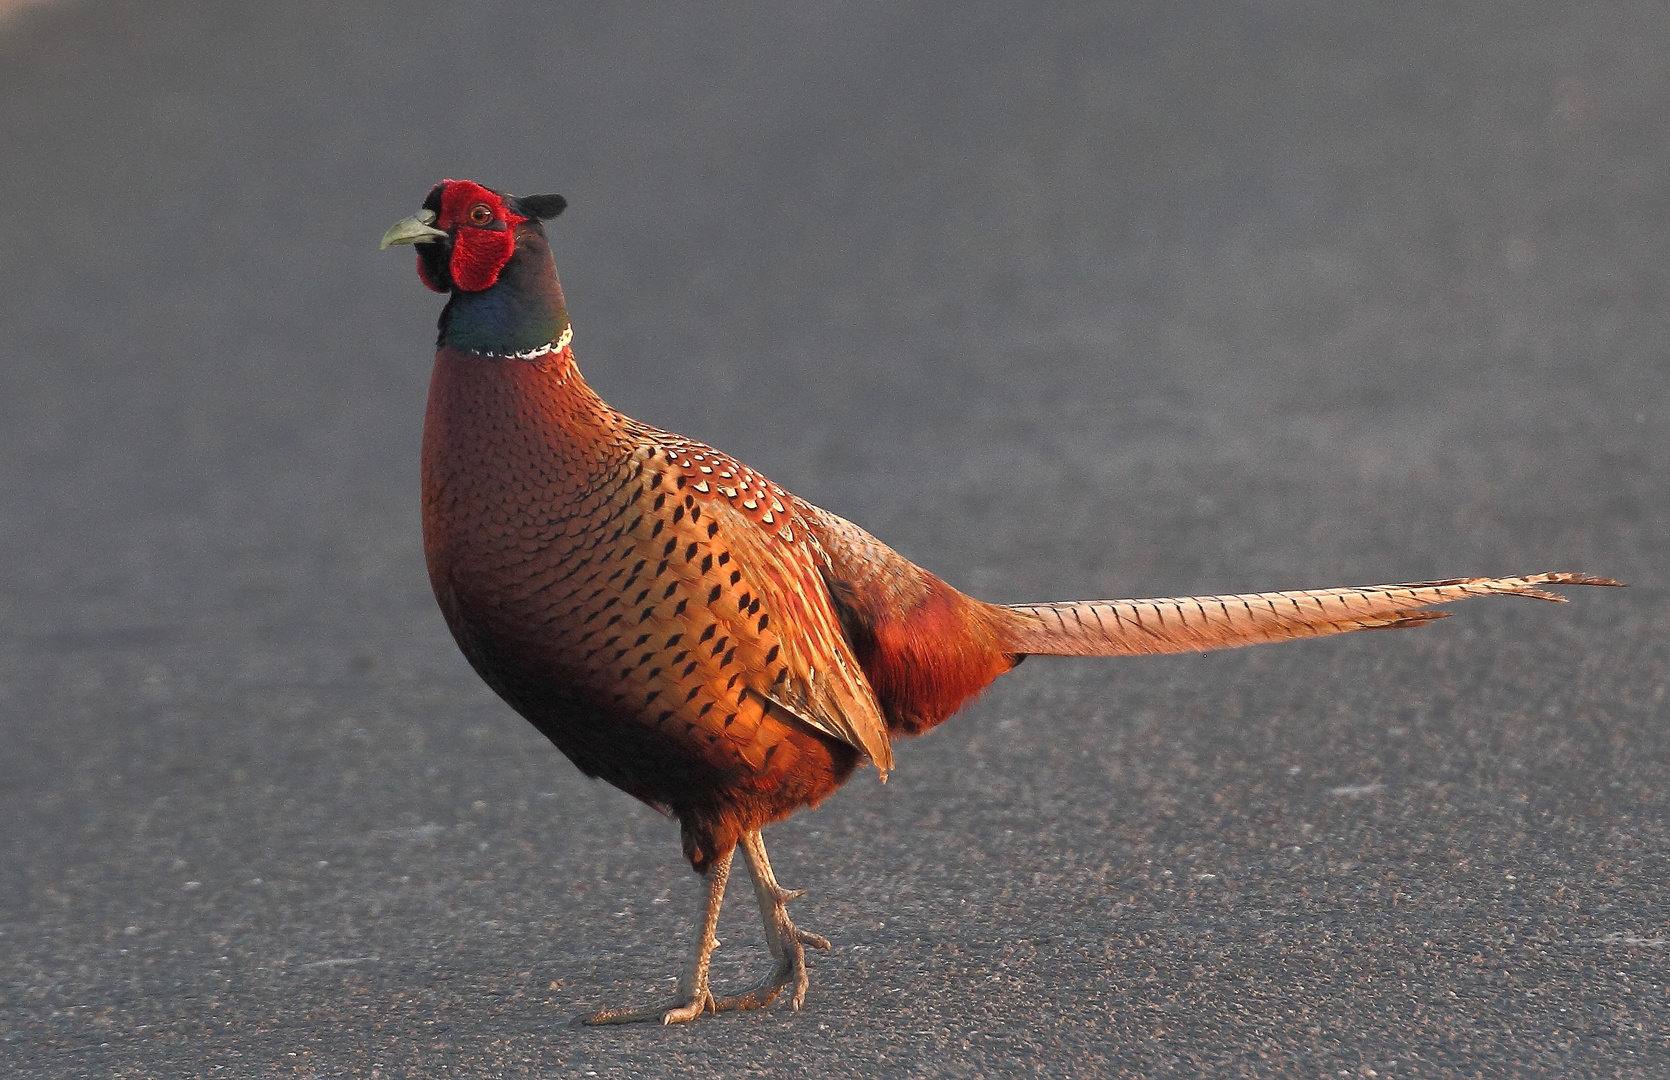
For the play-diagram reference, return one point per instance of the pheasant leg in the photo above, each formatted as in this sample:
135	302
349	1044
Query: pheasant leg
693	996
787	941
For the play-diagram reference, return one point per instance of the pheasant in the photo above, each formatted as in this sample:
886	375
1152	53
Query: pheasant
683	628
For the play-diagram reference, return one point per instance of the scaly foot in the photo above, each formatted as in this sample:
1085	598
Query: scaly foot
787	941
673	1012
789	967
693	997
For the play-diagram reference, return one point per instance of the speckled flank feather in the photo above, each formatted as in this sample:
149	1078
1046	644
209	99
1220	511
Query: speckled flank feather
1203	623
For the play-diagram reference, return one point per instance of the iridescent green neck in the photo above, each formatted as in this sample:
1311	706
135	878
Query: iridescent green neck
520	312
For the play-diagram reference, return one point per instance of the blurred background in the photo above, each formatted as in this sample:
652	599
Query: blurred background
1076	300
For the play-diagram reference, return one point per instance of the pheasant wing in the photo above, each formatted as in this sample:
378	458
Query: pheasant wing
773	592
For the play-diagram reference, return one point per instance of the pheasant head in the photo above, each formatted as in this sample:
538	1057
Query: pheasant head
488	250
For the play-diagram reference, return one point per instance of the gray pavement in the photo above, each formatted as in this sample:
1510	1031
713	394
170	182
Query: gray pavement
1107	300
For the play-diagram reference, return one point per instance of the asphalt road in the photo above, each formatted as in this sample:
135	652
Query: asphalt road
1111	300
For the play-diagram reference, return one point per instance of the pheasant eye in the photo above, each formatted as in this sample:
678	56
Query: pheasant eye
480	214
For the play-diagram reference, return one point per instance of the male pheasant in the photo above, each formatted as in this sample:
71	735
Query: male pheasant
685	629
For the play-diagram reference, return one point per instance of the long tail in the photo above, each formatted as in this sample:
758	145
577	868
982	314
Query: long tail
1202	623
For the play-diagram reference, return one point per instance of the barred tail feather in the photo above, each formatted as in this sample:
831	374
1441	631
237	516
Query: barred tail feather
1203	623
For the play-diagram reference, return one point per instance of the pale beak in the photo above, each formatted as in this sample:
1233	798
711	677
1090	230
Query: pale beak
417	229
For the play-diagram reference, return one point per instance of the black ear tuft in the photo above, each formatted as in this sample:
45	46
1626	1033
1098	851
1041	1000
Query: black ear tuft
543	207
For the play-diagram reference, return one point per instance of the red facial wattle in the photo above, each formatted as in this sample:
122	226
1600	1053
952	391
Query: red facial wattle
483	231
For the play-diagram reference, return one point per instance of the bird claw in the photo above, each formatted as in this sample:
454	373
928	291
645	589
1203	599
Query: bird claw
786	940
672	1012
686	1013
790	967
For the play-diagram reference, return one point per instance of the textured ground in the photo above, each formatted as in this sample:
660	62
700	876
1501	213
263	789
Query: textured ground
1180	298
